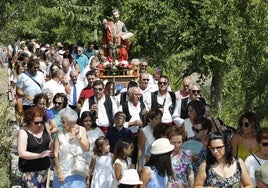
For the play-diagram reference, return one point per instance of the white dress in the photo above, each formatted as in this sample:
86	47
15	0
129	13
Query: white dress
124	165
92	136
103	173
148	133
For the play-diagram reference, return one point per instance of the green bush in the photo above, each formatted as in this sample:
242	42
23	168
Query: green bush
5	137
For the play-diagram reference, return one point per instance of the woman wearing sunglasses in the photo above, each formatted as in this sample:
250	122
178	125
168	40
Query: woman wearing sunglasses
34	148
221	169
201	128
255	160
244	142
59	101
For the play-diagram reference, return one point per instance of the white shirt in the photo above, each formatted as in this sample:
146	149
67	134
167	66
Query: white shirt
188	128
102	119
166	101
252	164
55	87
135	115
79	87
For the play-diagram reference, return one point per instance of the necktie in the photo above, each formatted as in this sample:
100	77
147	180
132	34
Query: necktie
74	95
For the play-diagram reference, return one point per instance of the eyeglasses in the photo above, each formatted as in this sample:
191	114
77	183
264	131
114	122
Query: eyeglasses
162	83
264	144
196	91
197	130
136	94
38	122
97	89
246	124
218	148
145	80
58	103
144	66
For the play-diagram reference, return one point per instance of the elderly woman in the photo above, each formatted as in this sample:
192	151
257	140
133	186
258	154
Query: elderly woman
181	159
245	142
33	148
69	142
255	160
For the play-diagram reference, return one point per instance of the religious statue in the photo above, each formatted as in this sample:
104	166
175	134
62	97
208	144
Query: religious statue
116	41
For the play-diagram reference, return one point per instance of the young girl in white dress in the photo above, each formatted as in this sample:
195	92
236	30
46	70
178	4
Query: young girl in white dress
121	160
101	165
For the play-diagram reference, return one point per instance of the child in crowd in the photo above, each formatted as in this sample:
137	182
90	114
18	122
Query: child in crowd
119	131
93	132
101	165
121	160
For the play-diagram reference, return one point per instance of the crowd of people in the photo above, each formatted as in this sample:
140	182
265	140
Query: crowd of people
144	135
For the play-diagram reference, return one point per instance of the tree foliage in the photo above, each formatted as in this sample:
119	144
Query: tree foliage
225	41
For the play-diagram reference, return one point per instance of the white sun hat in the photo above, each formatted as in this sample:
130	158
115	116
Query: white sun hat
161	146
130	177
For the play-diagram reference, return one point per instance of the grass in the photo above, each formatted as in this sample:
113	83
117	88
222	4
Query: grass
5	138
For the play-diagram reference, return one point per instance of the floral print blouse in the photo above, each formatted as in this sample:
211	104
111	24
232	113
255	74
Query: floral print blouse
215	180
181	164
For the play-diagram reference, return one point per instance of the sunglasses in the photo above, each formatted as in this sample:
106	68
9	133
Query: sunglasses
144	66
197	130
145	80
97	89
58	103
38	122
246	124
218	148
196	91
162	83
264	144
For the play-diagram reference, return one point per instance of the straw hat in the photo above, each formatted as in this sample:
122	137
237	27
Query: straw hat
261	173
161	146
130	177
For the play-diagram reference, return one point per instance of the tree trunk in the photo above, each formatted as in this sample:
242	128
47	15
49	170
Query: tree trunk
95	34
216	85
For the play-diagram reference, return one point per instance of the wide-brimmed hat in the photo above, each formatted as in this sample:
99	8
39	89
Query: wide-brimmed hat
161	146
130	177
194	146
261	173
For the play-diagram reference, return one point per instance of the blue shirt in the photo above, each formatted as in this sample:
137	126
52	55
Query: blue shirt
29	87
156	180
114	135
82	61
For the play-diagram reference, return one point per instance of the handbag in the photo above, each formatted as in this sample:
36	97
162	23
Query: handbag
79	166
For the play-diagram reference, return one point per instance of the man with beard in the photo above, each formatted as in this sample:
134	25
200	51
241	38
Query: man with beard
87	92
114	44
30	83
